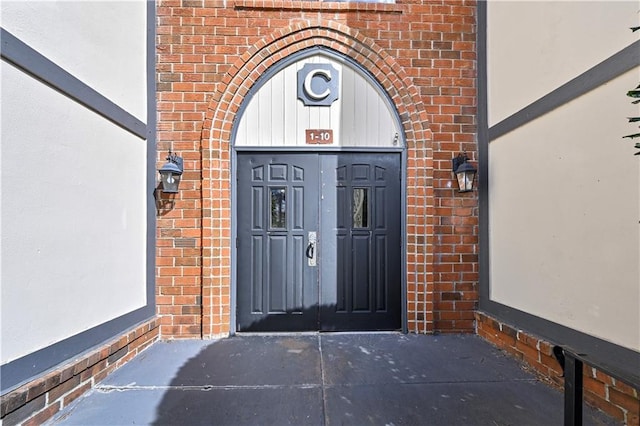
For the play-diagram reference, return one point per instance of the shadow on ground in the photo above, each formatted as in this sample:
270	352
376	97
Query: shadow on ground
387	379
358	379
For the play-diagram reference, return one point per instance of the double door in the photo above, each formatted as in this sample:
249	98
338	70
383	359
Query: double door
319	244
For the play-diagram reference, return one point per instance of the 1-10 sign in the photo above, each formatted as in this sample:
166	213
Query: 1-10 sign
319	136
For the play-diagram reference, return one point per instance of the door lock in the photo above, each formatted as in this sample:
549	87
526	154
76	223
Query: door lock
311	249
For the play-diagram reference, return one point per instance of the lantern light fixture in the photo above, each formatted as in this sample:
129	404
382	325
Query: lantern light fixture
465	173
170	173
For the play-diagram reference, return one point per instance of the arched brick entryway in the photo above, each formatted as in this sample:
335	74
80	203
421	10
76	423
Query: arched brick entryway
216	164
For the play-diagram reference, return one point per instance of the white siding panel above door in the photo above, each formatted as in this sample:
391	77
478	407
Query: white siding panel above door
289	106
361	116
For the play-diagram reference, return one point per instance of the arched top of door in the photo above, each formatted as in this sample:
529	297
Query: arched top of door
318	99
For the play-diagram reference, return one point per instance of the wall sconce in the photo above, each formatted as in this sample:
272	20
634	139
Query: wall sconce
465	172
171	172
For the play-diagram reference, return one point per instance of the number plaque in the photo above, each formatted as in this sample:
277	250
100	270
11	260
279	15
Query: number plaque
319	136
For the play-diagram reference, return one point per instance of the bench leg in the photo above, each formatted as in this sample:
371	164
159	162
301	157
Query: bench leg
572	391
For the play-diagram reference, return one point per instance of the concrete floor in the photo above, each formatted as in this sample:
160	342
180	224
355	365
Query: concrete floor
322	379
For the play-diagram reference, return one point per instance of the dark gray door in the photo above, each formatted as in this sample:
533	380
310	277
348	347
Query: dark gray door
350	278
360	246
277	208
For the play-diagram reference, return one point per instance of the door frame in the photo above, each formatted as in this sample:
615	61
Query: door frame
233	296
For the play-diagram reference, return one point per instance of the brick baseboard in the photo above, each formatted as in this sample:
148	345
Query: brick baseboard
36	401
600	390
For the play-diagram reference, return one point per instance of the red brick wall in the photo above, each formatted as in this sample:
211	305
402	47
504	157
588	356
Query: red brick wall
34	402
612	396
209	52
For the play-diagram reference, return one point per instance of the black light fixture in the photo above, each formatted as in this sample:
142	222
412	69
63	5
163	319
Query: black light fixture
171	172
465	172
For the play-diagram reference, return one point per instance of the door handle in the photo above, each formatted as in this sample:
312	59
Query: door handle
311	248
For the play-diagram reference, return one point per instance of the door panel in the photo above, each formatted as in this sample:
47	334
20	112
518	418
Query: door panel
360	249
277	205
352	201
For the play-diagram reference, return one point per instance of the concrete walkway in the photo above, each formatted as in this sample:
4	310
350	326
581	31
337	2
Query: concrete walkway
322	379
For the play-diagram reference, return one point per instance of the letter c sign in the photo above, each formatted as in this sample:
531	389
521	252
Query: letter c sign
318	84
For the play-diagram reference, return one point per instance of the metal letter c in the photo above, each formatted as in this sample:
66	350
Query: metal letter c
307	84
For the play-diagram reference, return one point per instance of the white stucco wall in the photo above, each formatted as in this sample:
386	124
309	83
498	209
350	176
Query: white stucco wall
100	42
536	46
564	200
564	217
73	184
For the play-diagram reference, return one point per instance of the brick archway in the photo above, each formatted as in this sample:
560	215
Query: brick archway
216	161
